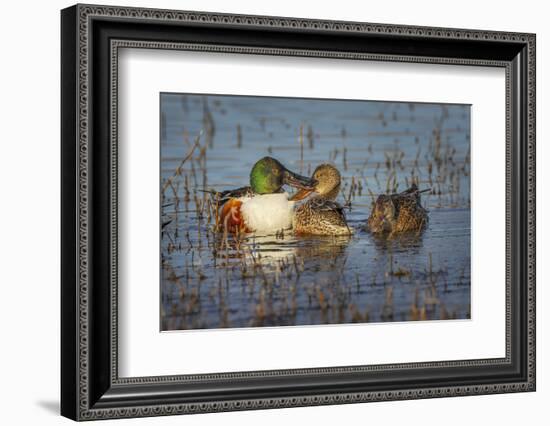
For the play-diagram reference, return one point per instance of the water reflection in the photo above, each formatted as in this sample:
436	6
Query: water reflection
410	242
323	248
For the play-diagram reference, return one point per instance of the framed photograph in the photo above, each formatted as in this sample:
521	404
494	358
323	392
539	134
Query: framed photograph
263	212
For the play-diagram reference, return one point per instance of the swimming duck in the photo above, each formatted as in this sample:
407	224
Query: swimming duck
397	213
320	214
263	206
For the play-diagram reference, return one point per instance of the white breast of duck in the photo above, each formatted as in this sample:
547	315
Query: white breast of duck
268	212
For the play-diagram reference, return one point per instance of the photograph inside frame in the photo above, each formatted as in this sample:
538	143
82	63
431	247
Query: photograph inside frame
295	211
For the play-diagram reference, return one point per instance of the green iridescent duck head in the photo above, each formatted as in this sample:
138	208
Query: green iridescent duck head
268	176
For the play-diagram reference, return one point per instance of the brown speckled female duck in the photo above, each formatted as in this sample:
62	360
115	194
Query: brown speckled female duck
321	215
396	213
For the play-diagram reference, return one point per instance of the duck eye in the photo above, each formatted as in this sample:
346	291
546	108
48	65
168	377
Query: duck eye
275	171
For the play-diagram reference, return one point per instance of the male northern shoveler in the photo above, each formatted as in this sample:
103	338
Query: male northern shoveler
263	206
320	214
397	213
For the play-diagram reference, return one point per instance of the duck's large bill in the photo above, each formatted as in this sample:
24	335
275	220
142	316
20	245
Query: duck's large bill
298	181
301	194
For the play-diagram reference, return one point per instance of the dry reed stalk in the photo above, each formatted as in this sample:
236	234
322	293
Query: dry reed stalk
239	136
180	166
208	124
345	158
301	148
310	136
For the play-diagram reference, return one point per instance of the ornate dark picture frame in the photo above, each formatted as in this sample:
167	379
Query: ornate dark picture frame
91	37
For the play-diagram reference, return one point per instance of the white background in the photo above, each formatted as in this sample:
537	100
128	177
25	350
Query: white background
29	217
146	352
